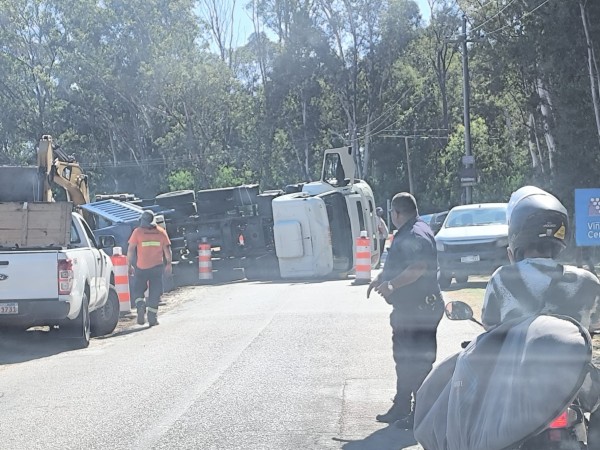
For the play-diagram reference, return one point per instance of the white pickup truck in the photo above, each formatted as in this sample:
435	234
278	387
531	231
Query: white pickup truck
53	273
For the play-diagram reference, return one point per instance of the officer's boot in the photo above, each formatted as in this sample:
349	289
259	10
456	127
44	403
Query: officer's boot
140	305
395	413
152	319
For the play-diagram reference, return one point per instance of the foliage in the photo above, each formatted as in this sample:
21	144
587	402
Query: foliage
154	95
181	180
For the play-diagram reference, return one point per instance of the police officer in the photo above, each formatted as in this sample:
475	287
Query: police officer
149	254
409	283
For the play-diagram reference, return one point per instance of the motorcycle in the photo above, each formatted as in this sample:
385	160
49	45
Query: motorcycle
512	388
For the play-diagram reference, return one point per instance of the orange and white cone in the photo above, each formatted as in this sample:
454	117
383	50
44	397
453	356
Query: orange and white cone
204	262
121	279
362	268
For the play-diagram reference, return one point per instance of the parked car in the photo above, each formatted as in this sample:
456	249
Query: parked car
434	220
473	240
426	218
437	221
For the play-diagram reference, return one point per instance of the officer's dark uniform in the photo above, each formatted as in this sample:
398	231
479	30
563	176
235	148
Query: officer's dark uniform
418	308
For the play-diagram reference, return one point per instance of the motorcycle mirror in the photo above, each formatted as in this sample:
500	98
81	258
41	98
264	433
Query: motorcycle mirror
458	311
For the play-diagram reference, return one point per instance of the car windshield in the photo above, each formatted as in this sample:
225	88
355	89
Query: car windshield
476	217
426	218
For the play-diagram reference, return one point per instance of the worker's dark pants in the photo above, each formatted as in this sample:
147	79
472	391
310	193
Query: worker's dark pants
414	346
151	279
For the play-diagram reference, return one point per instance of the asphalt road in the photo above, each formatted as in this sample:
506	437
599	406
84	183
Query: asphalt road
303	365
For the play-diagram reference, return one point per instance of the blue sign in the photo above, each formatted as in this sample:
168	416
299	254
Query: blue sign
587	217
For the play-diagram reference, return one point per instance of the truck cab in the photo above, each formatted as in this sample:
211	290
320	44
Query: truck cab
315	230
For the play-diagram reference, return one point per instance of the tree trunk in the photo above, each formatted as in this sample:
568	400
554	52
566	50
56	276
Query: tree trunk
306	141
534	146
592	64
366	148
546	110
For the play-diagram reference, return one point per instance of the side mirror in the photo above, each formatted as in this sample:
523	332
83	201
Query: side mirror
458	311
107	241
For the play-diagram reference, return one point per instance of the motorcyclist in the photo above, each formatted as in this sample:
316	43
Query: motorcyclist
536	282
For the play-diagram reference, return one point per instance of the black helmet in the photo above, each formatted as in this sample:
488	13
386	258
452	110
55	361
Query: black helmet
537	220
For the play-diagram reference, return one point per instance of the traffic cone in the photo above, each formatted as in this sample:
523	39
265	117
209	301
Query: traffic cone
204	262
363	259
121	279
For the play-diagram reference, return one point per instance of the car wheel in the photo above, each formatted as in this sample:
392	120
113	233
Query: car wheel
444	280
79	329
104	320
462	279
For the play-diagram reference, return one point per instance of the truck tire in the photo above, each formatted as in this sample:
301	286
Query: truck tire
184	210
104	320
176	198
262	269
462	279
444	280
78	329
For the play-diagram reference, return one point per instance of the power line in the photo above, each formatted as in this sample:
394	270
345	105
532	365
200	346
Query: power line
527	14
142	163
414	136
494	16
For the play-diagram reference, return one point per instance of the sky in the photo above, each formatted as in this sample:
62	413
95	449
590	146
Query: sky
245	27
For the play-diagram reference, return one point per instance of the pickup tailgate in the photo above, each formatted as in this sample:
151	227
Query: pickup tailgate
28	275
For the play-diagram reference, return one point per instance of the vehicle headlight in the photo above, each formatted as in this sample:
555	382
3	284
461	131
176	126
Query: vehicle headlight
439	246
502	242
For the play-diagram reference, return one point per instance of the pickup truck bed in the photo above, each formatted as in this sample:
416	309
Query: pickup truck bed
53	273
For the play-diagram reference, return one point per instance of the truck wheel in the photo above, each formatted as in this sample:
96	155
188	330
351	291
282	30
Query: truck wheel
444	280
262	269
104	320
176	198
79	328
184	210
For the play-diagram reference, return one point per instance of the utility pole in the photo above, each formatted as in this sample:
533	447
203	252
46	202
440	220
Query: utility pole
467	111
410	179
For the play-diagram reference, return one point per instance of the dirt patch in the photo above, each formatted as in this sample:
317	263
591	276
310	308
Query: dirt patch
168	301
471	293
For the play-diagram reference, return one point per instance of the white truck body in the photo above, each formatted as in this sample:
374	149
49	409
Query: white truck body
316	230
302	236
45	281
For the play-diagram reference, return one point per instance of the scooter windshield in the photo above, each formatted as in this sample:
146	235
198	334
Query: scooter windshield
506	386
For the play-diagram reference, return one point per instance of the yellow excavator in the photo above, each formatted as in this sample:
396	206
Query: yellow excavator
34	183
63	170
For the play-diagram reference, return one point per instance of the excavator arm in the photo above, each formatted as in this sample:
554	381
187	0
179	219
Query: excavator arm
63	171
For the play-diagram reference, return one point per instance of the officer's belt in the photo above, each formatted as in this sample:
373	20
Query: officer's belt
431	299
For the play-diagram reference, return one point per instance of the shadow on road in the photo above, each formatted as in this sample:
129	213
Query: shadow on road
22	346
123	332
468	285
17	347
388	438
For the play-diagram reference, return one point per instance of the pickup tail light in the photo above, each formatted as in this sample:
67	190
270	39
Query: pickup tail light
65	276
561	421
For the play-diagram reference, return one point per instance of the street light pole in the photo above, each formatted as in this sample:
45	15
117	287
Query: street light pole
467	112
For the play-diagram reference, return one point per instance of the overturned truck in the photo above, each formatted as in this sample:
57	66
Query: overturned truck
307	230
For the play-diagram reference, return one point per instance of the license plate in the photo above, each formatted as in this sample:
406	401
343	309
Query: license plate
469	259
9	308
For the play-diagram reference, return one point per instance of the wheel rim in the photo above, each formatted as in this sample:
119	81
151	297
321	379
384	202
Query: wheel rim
86	323
110	308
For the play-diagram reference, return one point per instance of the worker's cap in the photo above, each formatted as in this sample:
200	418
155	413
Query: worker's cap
379	211
147	219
